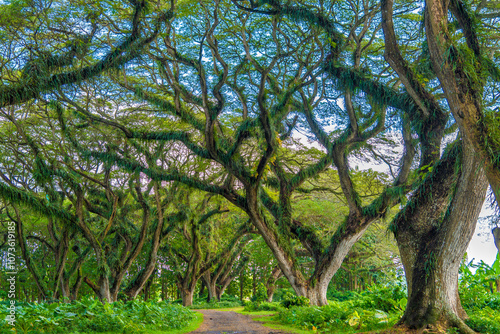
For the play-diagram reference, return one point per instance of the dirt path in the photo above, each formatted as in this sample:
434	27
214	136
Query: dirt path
226	322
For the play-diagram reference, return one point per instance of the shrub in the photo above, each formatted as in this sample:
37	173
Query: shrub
225	302
337	316
260	294
289	300
280	293
91	315
376	297
485	321
476	297
263	306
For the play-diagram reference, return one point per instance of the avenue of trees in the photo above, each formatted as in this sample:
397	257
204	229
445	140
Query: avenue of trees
206	141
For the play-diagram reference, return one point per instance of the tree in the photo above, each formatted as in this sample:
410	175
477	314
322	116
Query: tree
194	260
46	66
462	60
496	236
217	279
429	120
109	211
265	121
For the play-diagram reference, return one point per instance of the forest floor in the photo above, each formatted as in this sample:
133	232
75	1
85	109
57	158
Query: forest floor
228	322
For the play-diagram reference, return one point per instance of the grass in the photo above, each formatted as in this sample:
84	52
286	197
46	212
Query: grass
273	324
193	326
237	309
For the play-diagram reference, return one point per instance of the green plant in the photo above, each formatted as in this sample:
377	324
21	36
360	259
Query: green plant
290	300
260	294
485	320
91	316
263	306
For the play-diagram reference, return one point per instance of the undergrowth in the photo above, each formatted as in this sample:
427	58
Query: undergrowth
225	302
91	316
373	309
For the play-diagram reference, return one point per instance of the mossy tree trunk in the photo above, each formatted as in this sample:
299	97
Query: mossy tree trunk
194	265
219	278
271	283
433	232
210	284
496	237
463	77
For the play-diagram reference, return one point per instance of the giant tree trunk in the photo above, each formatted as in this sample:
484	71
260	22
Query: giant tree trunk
463	91
211	286
223	284
76	286
433	232
142	278
147	288
219	291
327	262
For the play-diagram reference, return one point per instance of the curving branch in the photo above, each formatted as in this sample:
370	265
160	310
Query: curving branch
129	49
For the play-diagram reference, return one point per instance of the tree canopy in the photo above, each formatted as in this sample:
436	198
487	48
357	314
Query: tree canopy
147	130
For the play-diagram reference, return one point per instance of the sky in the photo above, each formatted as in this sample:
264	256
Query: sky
482	246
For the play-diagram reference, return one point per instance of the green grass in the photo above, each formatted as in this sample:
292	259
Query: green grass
266	318
273	324
193	326
237	309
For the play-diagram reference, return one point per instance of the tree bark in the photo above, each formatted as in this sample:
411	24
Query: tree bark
242	281
463	90
218	280
27	257
433	232
210	284
76	286
147	288
187	295
226	279
102	289
496	237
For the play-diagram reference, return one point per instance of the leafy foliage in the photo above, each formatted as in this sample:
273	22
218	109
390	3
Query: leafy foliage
339	316
485	321
227	301
91	316
290	300
263	306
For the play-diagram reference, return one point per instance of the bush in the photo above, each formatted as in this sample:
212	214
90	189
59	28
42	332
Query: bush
341	296
485	321
337	316
91	315
214	304
477	297
260	294
263	306
280	293
289	300
376	297
273	306
226	301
